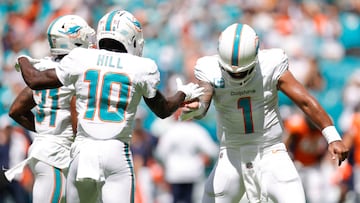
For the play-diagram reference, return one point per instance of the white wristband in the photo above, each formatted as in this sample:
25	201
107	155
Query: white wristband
331	134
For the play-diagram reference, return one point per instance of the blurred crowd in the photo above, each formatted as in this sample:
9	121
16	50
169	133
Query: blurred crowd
321	38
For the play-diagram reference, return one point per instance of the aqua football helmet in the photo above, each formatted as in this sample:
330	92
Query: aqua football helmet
237	49
122	27
68	32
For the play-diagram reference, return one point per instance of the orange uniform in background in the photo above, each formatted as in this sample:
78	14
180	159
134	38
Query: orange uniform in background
305	142
355	131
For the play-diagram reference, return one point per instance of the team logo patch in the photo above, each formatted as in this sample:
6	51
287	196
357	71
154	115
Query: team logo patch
219	82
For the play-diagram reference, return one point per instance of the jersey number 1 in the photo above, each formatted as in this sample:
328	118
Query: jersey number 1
245	105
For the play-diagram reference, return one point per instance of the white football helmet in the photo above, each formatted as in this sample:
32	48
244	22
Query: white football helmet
237	49
68	32
123	27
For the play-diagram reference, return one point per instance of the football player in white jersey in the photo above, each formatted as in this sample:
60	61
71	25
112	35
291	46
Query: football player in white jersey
109	84
243	82
49	154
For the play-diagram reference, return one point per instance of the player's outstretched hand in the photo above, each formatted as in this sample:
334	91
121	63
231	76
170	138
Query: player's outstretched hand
31	60
3	180
191	90
338	151
190	110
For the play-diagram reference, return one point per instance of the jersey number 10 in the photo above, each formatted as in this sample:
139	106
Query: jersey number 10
110	109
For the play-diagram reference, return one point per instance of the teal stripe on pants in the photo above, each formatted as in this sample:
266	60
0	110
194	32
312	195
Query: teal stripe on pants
56	198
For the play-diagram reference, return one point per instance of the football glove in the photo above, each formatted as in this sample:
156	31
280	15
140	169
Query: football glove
31	60
191	90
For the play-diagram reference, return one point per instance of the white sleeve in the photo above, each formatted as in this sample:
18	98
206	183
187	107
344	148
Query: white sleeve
151	80
66	71
282	65
206	69
200	70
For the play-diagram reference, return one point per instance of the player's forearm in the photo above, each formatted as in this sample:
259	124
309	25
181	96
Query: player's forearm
174	102
202	110
164	107
205	99
316	113
321	119
38	80
20	109
28	72
26	120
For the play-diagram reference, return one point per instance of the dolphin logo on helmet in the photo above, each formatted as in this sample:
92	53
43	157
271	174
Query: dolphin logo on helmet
68	32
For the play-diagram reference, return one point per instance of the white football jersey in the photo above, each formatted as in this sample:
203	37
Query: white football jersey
247	114
109	87
54	133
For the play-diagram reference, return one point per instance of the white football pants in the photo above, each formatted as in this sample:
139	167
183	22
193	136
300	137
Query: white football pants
49	182
261	174
102	171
